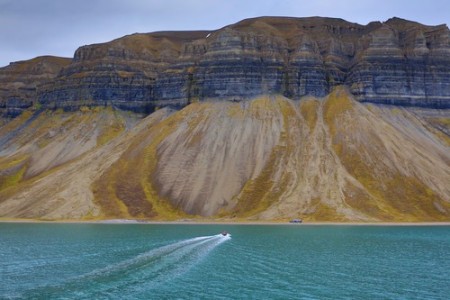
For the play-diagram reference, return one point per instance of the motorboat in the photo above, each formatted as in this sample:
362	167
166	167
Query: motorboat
296	221
224	233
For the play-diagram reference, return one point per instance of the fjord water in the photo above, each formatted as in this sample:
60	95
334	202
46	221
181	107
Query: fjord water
142	261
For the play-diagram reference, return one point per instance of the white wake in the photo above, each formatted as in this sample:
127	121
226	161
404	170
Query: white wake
142	272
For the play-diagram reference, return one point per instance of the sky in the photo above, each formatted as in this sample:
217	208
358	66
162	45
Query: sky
30	28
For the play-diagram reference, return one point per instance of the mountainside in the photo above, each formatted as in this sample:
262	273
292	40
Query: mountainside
19	80
264	159
396	62
267	119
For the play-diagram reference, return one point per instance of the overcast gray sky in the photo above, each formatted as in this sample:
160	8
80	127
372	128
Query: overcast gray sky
30	28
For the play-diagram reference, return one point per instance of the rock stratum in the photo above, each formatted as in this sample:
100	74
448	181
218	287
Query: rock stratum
265	119
19	81
396	62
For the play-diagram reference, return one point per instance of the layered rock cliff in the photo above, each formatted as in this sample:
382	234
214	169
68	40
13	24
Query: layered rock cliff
396	62
19	80
120	73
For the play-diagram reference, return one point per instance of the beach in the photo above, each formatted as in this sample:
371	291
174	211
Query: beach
223	222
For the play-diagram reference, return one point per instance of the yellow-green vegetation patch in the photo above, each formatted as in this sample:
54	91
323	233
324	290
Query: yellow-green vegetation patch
308	109
260	193
8	162
197	116
260	107
414	200
444	122
126	189
84	109
290	121
162	207
361	200
257	194
16	122
389	195
437	128
396	111
46	126
12	170
235	110
373	200
286	108
324	212
105	196
320	211
110	131
337	103
118	191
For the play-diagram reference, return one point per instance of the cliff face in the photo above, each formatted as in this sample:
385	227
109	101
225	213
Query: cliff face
403	64
396	62
121	73
19	80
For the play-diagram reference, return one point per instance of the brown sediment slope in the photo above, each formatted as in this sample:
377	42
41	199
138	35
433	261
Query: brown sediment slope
271	158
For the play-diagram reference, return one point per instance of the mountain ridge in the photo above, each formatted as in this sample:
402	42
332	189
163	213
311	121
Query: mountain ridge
396	62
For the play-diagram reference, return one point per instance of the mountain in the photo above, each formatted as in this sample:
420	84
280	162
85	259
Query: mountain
19	80
267	158
266	119
396	62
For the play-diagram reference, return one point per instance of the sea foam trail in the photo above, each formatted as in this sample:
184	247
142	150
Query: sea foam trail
146	258
140	273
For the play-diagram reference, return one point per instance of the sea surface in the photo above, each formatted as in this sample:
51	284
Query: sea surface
143	261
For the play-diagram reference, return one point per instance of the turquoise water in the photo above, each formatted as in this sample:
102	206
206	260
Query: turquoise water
140	261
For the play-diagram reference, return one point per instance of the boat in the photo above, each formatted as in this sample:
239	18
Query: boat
224	233
296	221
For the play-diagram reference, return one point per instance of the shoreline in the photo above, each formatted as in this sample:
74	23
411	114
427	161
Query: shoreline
220	222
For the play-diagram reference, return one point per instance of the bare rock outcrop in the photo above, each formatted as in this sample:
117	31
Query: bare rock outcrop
19	80
395	62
